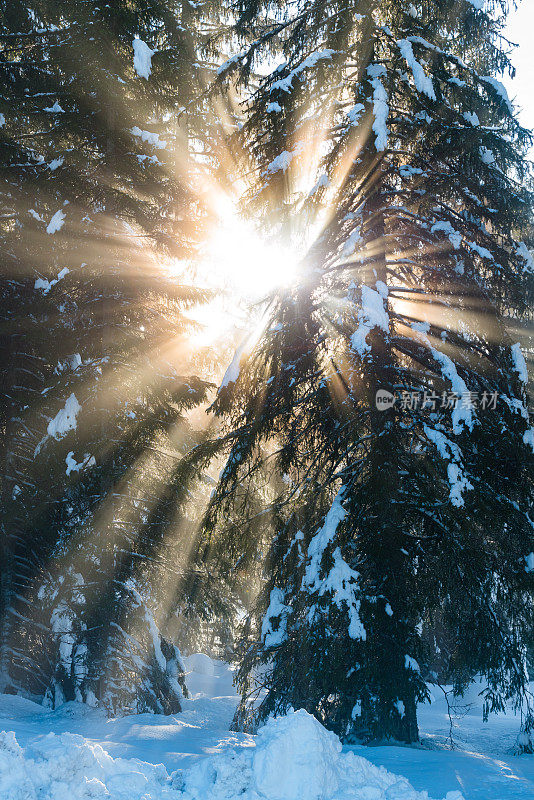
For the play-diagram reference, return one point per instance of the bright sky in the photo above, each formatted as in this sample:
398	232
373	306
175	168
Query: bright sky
519	29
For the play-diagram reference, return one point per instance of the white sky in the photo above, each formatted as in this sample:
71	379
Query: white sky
520	29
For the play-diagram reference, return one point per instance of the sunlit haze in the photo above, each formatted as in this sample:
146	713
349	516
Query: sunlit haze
243	269
237	258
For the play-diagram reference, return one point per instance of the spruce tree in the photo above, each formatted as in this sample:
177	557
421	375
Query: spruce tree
99	202
391	518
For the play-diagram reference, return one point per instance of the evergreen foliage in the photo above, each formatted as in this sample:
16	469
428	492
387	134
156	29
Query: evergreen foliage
390	519
98	202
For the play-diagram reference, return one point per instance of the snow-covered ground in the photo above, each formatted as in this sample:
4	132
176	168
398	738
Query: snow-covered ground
75	753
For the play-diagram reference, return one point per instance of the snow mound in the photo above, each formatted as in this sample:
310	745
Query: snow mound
69	767
295	758
200	663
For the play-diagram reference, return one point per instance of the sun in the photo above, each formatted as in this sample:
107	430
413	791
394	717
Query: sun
239	260
243	270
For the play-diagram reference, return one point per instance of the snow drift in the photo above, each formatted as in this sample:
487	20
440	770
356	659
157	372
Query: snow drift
295	758
199	663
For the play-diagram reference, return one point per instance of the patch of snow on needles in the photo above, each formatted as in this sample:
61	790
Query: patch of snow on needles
65	419
520	365
372	314
46	285
232	372
380	107
142	58
295	758
423	83
56	223
62	423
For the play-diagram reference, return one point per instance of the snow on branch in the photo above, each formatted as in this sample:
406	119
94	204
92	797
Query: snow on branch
524	254
63	422
462	414
499	89
74	466
450	451
277	608
372	314
520	365
149	136
423	83
232	371
286	84
46	285
56	223
341	580
380	106
142	58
